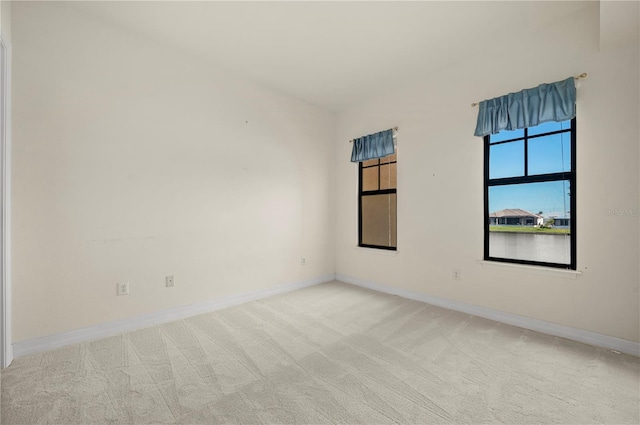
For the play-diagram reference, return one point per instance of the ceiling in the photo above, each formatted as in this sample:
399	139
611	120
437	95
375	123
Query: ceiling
332	54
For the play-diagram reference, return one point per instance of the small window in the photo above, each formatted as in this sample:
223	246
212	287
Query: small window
529	192
377	210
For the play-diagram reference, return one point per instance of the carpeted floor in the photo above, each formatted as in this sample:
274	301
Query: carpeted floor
328	354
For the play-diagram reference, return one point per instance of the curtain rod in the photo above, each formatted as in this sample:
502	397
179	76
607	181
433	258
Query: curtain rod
394	129
577	77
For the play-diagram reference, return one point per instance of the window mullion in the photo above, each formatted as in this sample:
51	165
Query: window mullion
526	151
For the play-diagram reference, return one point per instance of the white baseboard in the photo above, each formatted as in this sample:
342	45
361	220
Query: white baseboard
575	334
49	342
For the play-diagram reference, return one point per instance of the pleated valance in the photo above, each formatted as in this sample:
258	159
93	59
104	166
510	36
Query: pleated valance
528	108
373	146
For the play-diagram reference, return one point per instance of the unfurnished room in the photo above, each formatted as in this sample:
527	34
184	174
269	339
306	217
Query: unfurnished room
330	212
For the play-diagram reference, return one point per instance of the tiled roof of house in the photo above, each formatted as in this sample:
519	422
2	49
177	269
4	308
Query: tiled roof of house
514	212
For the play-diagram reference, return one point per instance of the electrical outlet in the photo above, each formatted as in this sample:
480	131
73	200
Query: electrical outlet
169	281
303	261
457	275
123	288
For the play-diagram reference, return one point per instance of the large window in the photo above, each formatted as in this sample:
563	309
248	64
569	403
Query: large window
377	203
529	192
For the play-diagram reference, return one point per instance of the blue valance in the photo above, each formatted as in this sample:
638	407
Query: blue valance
373	146
528	108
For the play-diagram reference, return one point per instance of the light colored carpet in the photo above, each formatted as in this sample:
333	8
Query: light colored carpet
327	354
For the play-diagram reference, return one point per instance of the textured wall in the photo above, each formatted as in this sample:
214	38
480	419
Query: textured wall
440	204
133	161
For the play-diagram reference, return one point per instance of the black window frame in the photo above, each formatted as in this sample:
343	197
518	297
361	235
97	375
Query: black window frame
537	178
362	193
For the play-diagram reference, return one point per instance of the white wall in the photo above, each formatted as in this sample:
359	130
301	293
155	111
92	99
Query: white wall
5	309
440	204
5	14
133	161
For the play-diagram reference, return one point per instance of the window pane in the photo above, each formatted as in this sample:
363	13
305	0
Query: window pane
522	222
379	220
388	176
506	135
550	154
548	127
506	160
369	162
388	158
370	178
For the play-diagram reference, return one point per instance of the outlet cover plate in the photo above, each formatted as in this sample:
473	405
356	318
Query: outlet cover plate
169	281
123	288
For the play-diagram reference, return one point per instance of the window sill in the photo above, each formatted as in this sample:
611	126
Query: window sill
385	252
539	270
